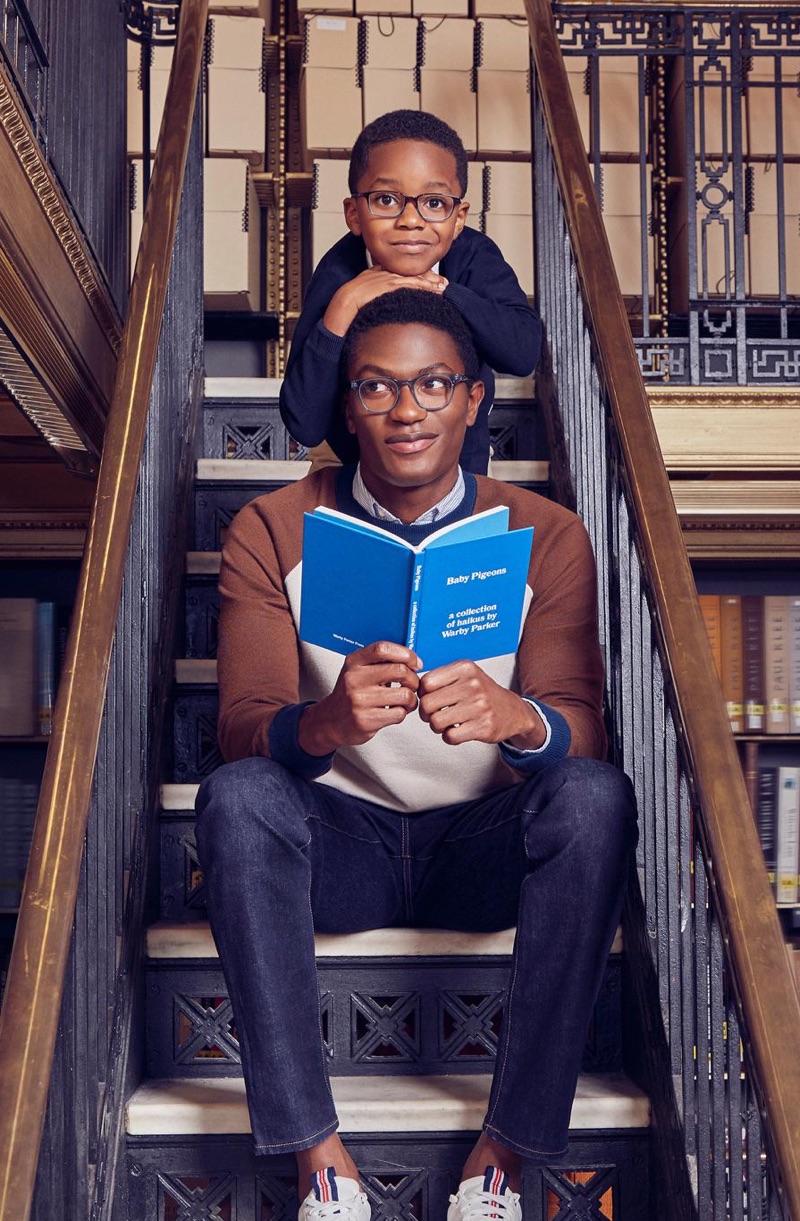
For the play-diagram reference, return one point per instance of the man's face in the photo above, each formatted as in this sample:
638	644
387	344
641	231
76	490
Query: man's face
410	455
407	245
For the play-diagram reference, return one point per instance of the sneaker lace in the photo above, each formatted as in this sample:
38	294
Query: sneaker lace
315	1211
480	1205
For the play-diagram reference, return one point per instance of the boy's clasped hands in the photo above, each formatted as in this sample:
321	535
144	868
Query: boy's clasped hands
369	284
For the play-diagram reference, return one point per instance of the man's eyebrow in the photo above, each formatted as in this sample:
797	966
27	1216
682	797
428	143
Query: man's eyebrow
437	367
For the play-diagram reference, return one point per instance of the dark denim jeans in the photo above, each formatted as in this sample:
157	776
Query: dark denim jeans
283	857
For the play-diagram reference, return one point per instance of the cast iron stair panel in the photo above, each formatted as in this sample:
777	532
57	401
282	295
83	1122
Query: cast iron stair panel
392	1002
189	1155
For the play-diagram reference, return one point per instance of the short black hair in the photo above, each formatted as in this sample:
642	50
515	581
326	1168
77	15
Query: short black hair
412	305
406	125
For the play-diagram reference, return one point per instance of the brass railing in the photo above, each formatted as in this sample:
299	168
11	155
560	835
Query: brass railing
713	938
37	971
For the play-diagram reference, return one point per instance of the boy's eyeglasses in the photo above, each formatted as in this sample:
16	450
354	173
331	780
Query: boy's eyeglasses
430	391
390	204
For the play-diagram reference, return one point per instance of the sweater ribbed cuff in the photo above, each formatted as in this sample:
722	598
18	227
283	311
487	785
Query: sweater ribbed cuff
285	748
554	747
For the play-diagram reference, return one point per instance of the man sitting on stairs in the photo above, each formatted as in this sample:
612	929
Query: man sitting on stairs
374	793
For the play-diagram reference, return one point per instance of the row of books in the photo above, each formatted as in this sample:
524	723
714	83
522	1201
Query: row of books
777	811
18	801
755	639
28	631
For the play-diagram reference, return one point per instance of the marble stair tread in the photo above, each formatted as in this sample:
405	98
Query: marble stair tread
203	563
251	470
191	671
507	389
238	388
194	940
271	470
171	940
217	1107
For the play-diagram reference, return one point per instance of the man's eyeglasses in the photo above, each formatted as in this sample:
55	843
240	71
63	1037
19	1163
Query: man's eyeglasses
430	391
390	204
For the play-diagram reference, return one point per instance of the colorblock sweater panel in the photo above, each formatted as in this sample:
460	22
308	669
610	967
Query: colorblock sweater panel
484	289
266	674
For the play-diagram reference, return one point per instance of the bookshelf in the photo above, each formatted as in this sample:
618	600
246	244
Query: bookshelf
28	583
769	750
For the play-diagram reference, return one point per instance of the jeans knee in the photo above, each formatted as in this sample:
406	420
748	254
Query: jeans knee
595	809
240	805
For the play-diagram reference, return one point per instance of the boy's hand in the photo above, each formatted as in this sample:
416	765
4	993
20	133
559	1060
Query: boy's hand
374	282
463	704
377	686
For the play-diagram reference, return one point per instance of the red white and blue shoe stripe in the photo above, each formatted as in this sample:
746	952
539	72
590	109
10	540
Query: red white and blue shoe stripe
324	1185
495	1184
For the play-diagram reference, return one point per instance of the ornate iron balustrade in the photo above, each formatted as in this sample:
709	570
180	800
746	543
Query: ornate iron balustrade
691	118
77	953
24	56
718	1012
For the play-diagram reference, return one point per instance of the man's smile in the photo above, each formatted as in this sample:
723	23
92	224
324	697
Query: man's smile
411	443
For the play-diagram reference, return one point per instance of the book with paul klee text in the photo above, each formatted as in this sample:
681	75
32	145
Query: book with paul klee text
458	596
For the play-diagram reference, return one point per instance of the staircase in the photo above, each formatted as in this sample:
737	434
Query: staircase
410	1018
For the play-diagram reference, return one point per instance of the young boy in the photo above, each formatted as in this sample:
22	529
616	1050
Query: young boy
406	214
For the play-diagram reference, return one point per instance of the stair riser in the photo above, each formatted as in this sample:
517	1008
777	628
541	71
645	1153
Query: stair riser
246	430
407	1179
196	753
201	602
379	1017
216	505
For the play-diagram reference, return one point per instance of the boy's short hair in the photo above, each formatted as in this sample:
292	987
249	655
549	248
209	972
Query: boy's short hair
412	305
406	125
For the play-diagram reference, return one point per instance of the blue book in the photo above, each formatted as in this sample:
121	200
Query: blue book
457	596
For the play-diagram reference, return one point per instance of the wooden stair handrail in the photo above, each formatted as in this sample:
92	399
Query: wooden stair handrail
35	984
760	967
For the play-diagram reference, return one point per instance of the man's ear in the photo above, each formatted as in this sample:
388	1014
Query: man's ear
348	414
476	393
350	206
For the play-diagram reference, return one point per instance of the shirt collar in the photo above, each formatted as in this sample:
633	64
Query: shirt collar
447	504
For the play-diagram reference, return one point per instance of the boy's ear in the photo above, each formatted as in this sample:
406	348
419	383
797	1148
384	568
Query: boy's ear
461	218
350	206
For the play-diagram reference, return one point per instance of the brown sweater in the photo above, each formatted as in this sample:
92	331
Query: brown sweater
264	670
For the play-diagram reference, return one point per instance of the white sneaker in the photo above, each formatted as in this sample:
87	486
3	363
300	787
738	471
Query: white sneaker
333	1198
487	1197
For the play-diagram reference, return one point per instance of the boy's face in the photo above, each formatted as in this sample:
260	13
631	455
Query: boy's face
409	452
407	245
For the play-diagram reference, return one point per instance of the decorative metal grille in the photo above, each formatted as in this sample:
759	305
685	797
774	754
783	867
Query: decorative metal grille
580	1193
276	1198
469	1025
705	168
398	1197
252	429
202	618
385	1028
196	1198
714	1154
24	56
205	1030
197	752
